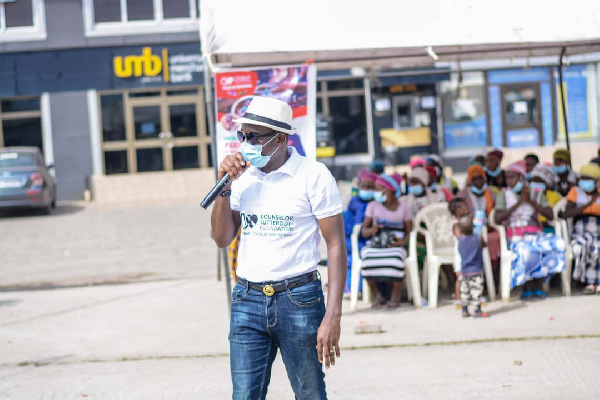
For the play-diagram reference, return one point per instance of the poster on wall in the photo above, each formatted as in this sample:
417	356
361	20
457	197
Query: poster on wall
579	97
296	85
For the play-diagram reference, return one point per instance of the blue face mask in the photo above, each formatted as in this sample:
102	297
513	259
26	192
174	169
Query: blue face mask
433	187
494	173
588	185
417	190
517	188
366	195
253	153
560	169
539	186
379	197
478	191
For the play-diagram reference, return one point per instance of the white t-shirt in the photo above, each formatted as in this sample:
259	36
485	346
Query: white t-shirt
279	213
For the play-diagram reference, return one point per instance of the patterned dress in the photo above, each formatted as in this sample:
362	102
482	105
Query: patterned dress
537	254
585	239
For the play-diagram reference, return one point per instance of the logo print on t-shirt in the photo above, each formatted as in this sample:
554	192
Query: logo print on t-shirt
249	220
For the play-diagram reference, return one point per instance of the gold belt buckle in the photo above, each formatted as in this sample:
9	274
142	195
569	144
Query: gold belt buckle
268	290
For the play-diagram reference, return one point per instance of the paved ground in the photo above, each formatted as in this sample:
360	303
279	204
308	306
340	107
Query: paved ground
163	332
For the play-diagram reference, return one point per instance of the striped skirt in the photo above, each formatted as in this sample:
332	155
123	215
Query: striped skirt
585	242
383	263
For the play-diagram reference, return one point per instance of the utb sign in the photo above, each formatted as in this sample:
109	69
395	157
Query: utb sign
147	64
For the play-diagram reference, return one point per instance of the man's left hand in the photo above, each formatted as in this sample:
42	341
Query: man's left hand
328	337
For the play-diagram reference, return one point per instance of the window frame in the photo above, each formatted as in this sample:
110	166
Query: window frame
124	27
25	33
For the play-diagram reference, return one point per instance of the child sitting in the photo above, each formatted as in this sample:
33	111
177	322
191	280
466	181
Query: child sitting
471	273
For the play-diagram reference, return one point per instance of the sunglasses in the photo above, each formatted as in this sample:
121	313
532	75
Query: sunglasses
252	137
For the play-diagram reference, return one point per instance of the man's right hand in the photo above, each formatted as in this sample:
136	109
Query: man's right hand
233	165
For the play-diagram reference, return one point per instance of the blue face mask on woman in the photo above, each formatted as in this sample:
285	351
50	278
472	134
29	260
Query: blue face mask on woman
365	195
417	190
379	197
478	191
517	188
495	172
253	153
588	185
560	169
539	186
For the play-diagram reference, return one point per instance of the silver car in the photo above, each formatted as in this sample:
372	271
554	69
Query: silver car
25	181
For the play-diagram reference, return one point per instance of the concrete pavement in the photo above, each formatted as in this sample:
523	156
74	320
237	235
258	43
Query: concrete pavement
161	332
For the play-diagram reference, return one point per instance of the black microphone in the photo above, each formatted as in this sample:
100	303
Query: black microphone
215	191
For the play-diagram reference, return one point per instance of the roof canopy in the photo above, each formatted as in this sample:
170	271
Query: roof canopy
394	34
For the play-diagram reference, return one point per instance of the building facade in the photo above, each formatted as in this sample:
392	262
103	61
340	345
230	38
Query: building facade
112	91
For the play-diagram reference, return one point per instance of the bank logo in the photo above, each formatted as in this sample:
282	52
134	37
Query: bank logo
249	220
146	65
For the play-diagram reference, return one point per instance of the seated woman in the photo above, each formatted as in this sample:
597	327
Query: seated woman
480	198
583	205
387	223
538	255
419	195
542	181
355	213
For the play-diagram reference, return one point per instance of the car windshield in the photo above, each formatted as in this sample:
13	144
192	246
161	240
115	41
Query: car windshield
15	159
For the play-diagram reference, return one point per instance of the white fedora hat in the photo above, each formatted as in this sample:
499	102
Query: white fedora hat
269	112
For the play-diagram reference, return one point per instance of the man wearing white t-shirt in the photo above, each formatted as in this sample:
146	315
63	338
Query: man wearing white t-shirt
281	201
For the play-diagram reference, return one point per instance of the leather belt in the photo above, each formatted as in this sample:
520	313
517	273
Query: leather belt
270	288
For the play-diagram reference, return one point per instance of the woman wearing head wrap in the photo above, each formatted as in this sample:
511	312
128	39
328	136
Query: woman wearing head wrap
355	213
583	205
387	224
419	195
542	181
531	160
495	175
435	161
434	186
564	178
538	255
480	200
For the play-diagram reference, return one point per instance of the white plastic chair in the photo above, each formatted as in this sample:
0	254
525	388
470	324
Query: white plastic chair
507	256
563	229
411	270
434	222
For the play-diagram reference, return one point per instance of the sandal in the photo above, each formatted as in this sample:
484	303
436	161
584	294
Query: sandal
539	294
590	289
390	305
526	295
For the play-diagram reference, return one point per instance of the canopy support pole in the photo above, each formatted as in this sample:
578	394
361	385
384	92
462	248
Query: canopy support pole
210	114
563	100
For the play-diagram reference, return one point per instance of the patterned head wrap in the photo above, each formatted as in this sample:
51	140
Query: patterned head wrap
562	154
367	176
417	162
475	170
518	167
545	172
420	174
389	182
496	153
591	170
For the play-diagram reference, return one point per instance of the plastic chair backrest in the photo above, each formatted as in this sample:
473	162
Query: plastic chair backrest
564	227
438	224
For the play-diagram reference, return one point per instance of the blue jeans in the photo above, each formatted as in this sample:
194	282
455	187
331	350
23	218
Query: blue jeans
287	321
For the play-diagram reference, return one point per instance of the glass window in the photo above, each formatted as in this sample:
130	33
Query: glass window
344	85
149	160
319	105
18	13
176	8
183	120
210	155
139	10
348	124
143	94
107	10
113	119
185	157
115	162
12	105
23	132
521	106
146	121
464	111
183	92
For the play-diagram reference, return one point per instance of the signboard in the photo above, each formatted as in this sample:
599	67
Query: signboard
101	68
296	85
577	93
